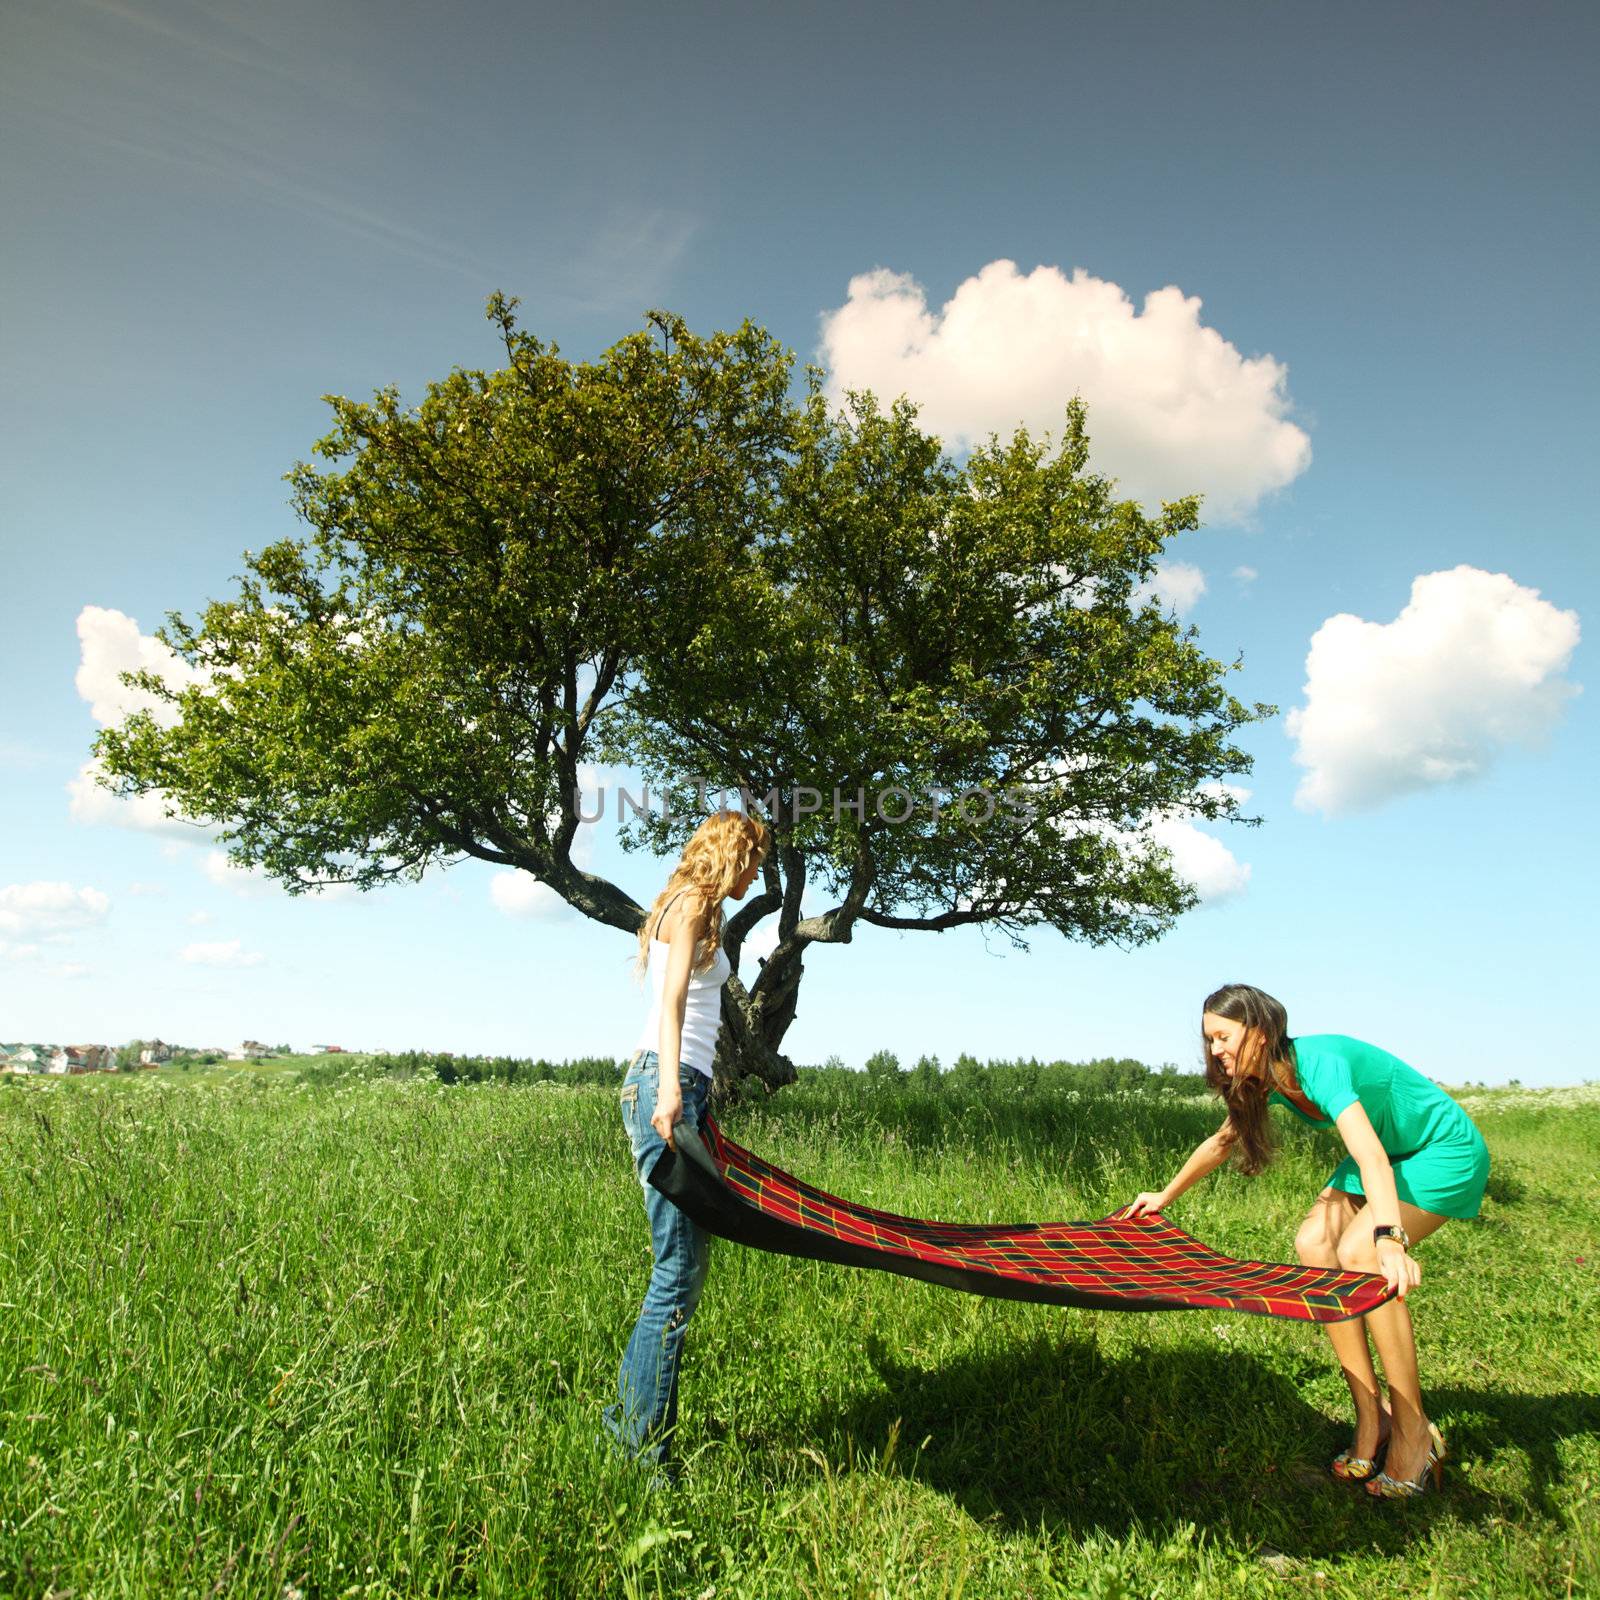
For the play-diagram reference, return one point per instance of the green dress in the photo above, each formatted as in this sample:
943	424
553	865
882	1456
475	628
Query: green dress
1439	1158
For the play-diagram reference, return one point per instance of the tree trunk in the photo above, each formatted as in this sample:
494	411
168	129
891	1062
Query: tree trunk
754	1022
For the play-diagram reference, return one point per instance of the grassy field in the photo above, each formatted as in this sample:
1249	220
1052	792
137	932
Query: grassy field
289	1332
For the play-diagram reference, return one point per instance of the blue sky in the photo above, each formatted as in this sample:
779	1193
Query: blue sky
215	214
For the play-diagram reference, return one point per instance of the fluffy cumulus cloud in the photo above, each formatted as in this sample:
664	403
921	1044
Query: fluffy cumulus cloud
33	910
1473	665
88	800
222	953
1201	859
1174	408
520	894
762	939
1178	585
109	644
249	883
253	883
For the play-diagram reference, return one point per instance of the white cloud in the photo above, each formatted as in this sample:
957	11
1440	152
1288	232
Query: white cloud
89	801
249	883
224	953
71	970
1174	409
154	891
34	909
199	919
111	644
252	883
18	952
520	894
1176	584
1202	859
1472	665
762	939
1199	858
1246	574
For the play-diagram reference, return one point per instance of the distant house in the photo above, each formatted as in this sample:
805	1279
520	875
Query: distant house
68	1058
328	1049
254	1047
154	1053
20	1058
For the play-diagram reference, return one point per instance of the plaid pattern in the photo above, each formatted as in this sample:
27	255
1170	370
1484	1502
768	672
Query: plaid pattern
1117	1264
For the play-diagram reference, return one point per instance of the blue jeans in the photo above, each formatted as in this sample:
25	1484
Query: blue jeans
646	1413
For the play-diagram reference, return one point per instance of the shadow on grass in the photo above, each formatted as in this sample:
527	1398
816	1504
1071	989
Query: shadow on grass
1506	1184
1058	1435
1484	1422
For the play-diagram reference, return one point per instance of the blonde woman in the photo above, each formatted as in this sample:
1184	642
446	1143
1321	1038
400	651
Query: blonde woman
668	1082
1415	1160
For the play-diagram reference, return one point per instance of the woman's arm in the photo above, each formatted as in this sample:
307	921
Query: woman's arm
1206	1159
688	928
1383	1200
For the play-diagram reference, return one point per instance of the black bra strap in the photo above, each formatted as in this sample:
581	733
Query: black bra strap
660	915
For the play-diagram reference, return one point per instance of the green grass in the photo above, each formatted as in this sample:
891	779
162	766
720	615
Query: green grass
285	1330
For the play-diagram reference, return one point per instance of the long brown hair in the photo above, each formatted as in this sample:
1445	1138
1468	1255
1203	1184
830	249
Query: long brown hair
1264	1062
717	855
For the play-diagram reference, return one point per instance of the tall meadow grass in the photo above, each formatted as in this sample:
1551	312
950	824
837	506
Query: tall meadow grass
313	1332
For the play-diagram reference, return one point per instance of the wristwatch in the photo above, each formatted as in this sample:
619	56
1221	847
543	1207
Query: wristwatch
1392	1230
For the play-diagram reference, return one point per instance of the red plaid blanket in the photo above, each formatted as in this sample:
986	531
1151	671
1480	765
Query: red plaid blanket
1116	1264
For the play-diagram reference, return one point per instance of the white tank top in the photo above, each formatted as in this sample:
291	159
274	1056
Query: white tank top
702	1009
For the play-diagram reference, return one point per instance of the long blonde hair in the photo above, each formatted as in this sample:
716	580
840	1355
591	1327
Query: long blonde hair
717	855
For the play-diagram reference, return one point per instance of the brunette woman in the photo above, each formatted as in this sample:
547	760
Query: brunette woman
1414	1160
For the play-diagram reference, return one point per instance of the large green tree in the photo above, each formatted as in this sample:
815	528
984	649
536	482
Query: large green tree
948	685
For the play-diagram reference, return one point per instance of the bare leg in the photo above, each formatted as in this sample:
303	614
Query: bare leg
1397	1347
1317	1245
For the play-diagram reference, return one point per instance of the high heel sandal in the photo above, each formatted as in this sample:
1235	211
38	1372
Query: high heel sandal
1383	1487
1359	1469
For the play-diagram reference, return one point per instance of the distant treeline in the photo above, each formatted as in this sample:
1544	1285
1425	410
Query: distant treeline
883	1073
1022	1075
448	1068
